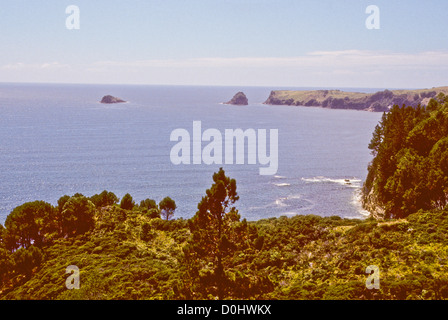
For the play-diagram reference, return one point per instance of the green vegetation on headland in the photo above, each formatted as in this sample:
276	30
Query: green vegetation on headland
337	99
126	250
409	171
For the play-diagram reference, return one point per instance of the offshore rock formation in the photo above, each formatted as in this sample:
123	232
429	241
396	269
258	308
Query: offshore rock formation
239	99
111	99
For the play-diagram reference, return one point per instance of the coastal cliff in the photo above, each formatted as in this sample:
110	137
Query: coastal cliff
336	99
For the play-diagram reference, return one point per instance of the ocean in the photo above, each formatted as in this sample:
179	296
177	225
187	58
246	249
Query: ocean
57	139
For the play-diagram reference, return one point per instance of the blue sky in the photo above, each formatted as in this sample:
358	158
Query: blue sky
226	42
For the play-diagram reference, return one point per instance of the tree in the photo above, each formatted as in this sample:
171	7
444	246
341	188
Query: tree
148	204
78	216
2	235
167	207
127	202
104	199
6	265
437	183
25	260
30	223
409	171
212	231
61	202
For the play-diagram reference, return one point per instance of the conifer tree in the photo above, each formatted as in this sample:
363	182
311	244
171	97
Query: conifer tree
212	227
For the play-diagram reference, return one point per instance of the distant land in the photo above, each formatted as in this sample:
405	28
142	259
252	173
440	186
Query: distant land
336	99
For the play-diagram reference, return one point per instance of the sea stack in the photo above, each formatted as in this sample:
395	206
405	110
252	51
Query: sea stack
239	99
111	99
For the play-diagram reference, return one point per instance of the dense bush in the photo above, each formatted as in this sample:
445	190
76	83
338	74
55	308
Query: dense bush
128	254
410	166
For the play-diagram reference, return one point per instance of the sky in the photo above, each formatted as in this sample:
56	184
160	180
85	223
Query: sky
278	43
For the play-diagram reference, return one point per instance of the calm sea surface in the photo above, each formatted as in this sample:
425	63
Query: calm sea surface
58	139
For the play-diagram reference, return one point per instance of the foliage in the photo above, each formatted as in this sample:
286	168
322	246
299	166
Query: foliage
148	204
410	166
127	202
104	199
30	223
78	216
167	207
127	254
212	229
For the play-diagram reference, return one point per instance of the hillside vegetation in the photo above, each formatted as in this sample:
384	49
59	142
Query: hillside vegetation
134	254
410	166
128	255
126	250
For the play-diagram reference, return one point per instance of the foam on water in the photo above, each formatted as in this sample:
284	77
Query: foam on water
282	184
357	203
348	182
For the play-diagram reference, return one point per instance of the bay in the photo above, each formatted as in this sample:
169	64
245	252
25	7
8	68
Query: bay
57	139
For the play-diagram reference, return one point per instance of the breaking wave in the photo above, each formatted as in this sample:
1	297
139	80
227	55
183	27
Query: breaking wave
294	202
357	203
355	183
348	182
282	184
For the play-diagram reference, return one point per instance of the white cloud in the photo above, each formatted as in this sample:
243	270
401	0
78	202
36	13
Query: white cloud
34	66
317	59
319	68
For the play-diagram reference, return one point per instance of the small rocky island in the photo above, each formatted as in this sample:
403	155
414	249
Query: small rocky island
239	99
110	99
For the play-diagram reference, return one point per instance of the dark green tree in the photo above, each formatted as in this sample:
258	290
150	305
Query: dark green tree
6	265
212	229
437	182
148	204
61	202
407	172
78	216
30	223
127	202
25	260
2	235
167	207
104	199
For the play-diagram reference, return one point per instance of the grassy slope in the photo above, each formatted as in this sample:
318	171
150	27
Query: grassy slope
305	257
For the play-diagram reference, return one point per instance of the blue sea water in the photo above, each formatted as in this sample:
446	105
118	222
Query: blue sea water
58	139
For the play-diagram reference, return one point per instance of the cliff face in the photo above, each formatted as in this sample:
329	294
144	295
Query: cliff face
336	99
371	203
239	99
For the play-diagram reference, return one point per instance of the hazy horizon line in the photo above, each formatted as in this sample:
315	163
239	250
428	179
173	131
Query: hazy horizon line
323	87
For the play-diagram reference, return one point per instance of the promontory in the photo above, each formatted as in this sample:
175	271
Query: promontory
337	99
